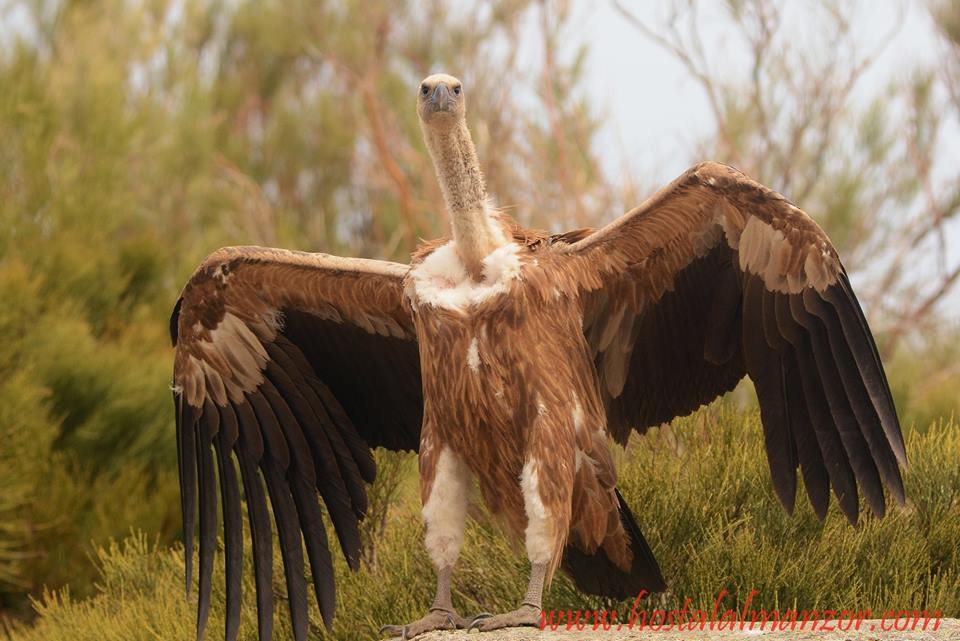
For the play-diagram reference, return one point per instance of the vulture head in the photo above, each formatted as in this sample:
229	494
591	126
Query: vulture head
440	101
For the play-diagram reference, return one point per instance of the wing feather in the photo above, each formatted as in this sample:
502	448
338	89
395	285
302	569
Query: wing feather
296	364
324	474
716	277
232	518
858	395
325	440
186	417
207	430
277	470
815	477
314	410
359	451
303	481
765	370
249	452
864	350
831	448
841	414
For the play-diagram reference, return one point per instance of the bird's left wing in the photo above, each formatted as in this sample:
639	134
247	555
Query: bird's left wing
715	277
291	366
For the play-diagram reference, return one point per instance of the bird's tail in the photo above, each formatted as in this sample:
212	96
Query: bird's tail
595	573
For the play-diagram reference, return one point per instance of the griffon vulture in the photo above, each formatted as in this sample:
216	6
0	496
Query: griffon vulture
506	357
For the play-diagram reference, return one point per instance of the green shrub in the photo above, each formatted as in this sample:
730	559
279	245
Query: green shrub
702	494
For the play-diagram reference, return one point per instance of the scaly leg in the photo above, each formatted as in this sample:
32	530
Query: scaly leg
528	614
441	615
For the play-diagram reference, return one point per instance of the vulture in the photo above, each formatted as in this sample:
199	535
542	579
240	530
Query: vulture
509	358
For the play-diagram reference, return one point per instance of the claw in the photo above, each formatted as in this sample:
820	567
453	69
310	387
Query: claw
477	619
394	630
435	619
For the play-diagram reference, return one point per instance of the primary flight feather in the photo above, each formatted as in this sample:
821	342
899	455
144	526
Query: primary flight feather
506	357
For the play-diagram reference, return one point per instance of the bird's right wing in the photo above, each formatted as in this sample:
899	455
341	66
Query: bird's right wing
292	366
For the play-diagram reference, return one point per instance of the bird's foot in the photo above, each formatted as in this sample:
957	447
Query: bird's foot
435	619
525	615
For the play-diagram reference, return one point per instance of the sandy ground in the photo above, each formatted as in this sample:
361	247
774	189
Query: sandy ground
870	630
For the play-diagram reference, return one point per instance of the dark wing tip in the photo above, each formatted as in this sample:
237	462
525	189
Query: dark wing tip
174	322
297	444
208	428
186	462
232	521
249	450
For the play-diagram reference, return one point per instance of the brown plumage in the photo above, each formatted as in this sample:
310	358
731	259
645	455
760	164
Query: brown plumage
506	357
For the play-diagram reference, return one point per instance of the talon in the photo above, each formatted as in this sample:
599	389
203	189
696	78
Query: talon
480	617
435	619
395	630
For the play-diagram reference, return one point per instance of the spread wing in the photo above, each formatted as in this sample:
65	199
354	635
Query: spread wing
289	367
716	277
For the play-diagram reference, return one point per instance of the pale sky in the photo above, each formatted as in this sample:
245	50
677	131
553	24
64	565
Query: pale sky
654	113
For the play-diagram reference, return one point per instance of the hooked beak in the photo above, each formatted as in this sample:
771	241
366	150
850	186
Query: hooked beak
441	100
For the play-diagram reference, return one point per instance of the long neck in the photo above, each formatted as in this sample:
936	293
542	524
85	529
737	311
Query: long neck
475	232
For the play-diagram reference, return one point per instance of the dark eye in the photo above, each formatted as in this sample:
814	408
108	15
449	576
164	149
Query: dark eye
456	90
424	90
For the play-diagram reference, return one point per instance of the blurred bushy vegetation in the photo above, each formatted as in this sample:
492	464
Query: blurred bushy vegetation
138	136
